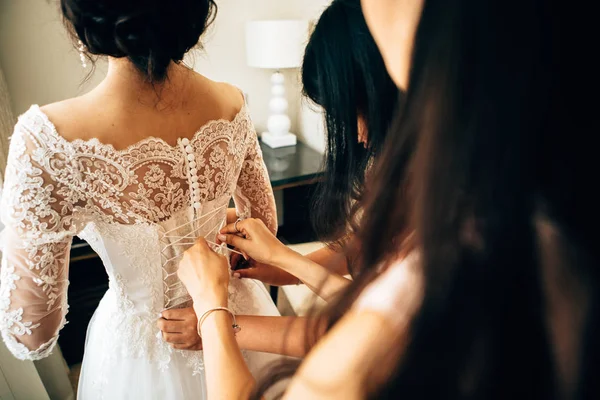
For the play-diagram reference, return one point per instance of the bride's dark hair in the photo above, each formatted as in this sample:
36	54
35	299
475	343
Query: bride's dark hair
500	199
150	33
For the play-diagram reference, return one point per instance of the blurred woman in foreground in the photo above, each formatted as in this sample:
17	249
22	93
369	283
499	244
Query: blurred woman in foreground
501	301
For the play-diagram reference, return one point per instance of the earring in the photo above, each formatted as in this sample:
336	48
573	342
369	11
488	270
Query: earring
81	48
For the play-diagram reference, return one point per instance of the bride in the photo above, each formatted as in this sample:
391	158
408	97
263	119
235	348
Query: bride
139	168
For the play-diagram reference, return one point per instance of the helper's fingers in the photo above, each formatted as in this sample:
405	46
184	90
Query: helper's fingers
187	346
174	326
178	314
173	338
219	241
202	245
235	228
248	273
233	240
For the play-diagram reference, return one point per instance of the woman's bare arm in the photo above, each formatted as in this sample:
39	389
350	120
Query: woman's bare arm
287	336
253	238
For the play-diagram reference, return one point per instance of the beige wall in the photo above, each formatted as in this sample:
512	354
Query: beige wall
41	65
225	57
39	62
7	121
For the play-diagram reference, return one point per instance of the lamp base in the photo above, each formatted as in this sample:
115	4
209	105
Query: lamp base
276	141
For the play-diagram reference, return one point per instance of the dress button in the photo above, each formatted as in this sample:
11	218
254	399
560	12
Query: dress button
195	185
189	149
194	179
193	171
197	205
185	141
192	164
190	157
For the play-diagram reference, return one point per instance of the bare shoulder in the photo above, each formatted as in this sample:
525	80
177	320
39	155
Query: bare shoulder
107	112
234	94
374	344
227	98
60	107
68	116
233	99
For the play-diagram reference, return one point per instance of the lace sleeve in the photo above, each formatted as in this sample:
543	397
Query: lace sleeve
254	195
35	249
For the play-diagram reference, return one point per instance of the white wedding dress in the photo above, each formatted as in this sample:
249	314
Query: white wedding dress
139	208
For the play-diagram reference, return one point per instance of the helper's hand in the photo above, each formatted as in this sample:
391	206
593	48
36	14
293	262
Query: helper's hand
255	240
265	273
178	327
205	275
236	260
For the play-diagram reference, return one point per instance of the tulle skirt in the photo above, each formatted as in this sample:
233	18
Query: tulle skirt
125	358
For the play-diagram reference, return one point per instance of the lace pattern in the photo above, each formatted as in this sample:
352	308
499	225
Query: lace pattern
129	329
123	203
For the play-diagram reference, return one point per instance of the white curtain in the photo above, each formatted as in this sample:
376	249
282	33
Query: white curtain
7	121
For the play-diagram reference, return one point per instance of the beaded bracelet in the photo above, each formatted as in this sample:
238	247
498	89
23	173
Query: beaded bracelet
235	326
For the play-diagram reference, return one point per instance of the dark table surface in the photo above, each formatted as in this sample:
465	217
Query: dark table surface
292	166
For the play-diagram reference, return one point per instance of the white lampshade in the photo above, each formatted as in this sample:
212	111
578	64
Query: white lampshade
276	44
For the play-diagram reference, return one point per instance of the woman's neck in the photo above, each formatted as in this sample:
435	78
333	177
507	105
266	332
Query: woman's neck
125	82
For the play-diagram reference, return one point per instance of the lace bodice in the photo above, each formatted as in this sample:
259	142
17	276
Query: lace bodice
139	208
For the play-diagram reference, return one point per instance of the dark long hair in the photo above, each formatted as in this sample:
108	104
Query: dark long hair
343	72
500	202
497	135
150	33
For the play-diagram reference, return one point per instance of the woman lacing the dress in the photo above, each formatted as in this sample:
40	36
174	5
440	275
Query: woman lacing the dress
139	167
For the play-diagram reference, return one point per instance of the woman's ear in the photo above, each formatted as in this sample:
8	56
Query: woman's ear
362	131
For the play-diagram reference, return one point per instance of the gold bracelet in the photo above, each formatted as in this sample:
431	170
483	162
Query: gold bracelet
235	326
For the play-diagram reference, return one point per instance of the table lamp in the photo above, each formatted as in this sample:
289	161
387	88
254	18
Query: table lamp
276	45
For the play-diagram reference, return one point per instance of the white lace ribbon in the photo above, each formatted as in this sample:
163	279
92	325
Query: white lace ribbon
174	291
